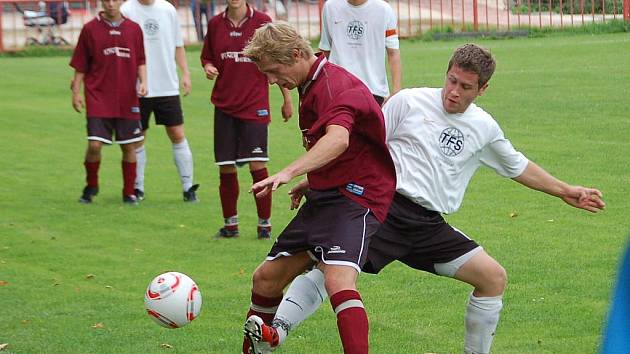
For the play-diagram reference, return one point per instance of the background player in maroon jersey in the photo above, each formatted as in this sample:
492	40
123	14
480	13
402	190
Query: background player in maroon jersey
109	60
241	101
350	184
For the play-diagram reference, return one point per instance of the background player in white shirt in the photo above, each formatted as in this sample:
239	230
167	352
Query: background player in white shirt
437	139
356	34
164	49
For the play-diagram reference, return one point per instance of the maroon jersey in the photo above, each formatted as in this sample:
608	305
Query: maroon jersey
240	90
365	171
109	57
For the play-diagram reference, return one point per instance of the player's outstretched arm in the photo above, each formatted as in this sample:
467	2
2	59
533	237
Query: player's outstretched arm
180	59
142	78
297	192
78	102
327	148
287	105
580	197
395	68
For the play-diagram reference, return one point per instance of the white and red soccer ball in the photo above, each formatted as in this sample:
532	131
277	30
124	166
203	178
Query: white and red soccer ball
172	300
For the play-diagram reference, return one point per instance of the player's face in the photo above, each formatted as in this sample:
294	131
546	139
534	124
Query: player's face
235	4
287	76
460	89
112	7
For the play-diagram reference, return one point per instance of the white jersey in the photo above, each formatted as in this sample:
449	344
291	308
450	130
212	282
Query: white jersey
357	36
436	153
160	27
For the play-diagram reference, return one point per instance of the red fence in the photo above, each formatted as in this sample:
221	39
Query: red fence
28	22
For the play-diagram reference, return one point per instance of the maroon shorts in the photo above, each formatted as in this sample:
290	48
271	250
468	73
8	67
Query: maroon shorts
127	130
333	228
167	111
418	237
238	141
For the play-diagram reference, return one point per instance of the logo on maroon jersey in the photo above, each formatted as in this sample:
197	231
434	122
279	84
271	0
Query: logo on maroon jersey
236	56
235	34
118	51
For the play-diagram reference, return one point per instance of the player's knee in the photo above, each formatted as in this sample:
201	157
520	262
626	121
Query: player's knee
94	147
495	278
265	283
176	133
335	282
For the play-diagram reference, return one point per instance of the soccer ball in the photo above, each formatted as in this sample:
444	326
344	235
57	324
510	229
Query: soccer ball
172	300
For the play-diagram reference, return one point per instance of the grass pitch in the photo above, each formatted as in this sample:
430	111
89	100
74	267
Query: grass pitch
72	276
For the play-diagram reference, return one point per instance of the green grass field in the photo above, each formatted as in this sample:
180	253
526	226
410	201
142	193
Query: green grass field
563	101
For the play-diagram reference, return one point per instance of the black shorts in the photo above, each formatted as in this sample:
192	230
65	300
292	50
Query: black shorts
167	111
333	228
238	141
418	237
101	129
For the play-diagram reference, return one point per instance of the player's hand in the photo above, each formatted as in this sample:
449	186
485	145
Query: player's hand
585	198
211	71
186	84
287	111
270	184
142	89
297	192
77	102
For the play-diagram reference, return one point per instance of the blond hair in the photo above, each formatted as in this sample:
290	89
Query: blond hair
476	59
276	42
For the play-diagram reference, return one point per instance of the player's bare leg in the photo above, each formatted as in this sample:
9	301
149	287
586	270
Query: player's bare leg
183	158
268	282
486	301
352	320
258	170
92	163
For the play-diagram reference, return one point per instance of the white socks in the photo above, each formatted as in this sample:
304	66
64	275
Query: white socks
303	297
184	162
141	162
482	316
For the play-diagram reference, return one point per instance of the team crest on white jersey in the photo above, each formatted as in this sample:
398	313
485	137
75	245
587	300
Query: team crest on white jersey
451	141
355	30
151	26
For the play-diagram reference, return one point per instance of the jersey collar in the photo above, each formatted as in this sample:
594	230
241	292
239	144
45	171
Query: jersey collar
313	73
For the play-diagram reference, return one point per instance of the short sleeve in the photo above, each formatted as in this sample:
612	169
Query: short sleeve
395	110
502	157
81	56
140	47
391	32
325	40
179	40
206	51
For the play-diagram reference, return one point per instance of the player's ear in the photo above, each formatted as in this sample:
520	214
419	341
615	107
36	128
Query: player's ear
482	89
296	53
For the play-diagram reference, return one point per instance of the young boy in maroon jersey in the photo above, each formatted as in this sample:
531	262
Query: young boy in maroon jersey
349	186
109	60
241	101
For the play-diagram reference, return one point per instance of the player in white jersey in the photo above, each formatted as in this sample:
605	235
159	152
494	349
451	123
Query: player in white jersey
437	139
356	34
164	48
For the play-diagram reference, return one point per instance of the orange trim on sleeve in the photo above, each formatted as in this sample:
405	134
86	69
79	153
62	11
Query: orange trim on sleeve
390	32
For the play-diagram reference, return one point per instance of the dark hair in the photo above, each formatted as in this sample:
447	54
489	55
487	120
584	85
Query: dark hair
473	58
